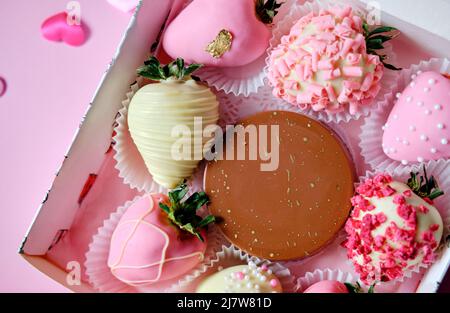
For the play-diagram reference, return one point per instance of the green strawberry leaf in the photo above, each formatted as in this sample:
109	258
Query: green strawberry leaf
183	213
152	69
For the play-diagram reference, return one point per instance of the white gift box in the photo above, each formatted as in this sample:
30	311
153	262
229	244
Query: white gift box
87	187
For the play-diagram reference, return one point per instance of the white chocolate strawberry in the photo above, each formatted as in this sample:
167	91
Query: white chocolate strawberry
393	227
159	111
328	62
418	127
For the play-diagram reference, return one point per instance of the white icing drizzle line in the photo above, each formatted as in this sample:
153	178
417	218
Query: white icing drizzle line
160	263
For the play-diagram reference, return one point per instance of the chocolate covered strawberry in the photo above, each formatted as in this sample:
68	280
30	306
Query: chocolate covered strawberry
222	33
418	127
159	238
166	120
394	227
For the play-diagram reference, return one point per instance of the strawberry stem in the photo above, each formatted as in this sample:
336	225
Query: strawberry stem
356	288
183	214
375	39
153	69
423	186
266	10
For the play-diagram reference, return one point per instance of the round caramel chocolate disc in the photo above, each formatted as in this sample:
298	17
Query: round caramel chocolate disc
281	210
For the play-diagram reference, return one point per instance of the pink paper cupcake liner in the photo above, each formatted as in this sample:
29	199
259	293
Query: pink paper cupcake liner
318	275
99	274
441	172
231	256
129	162
372	132
283	27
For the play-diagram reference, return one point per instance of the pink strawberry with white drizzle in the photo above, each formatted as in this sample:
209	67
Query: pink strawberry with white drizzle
393	227
157	238
418	127
323	63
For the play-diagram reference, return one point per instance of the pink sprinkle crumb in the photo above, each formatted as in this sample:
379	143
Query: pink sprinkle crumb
428	200
240	275
407	193
423	209
273	282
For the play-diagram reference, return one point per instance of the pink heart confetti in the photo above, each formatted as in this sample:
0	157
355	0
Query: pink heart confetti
59	29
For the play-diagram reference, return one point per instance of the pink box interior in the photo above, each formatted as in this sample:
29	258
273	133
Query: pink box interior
87	188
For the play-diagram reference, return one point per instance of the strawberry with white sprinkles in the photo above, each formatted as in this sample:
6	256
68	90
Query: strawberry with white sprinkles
394	227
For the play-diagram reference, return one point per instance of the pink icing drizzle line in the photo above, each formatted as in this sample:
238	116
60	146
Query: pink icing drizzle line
163	259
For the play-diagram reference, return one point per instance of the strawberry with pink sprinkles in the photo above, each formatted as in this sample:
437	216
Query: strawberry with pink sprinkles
329	62
394	227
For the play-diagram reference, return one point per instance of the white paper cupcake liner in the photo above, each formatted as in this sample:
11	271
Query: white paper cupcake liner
96	264
372	133
441	172
130	164
231	256
243	80
318	275
283	27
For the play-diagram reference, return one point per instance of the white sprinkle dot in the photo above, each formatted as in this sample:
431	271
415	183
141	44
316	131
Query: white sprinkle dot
419	72
413	76
424	137
419	159
420	103
409	99
431	81
437	107
440	126
404	162
386	151
406	142
398	95
412	84
395	117
397	139
412	128
426	89
444	141
393	150
427	112
433	150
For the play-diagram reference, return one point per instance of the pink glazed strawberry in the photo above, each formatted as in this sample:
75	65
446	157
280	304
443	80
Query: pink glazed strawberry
159	238
418	127
222	33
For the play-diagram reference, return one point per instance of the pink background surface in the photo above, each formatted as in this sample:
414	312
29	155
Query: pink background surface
49	87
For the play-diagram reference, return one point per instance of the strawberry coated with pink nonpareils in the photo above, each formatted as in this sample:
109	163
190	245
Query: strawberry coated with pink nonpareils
323	63
418	128
391	229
